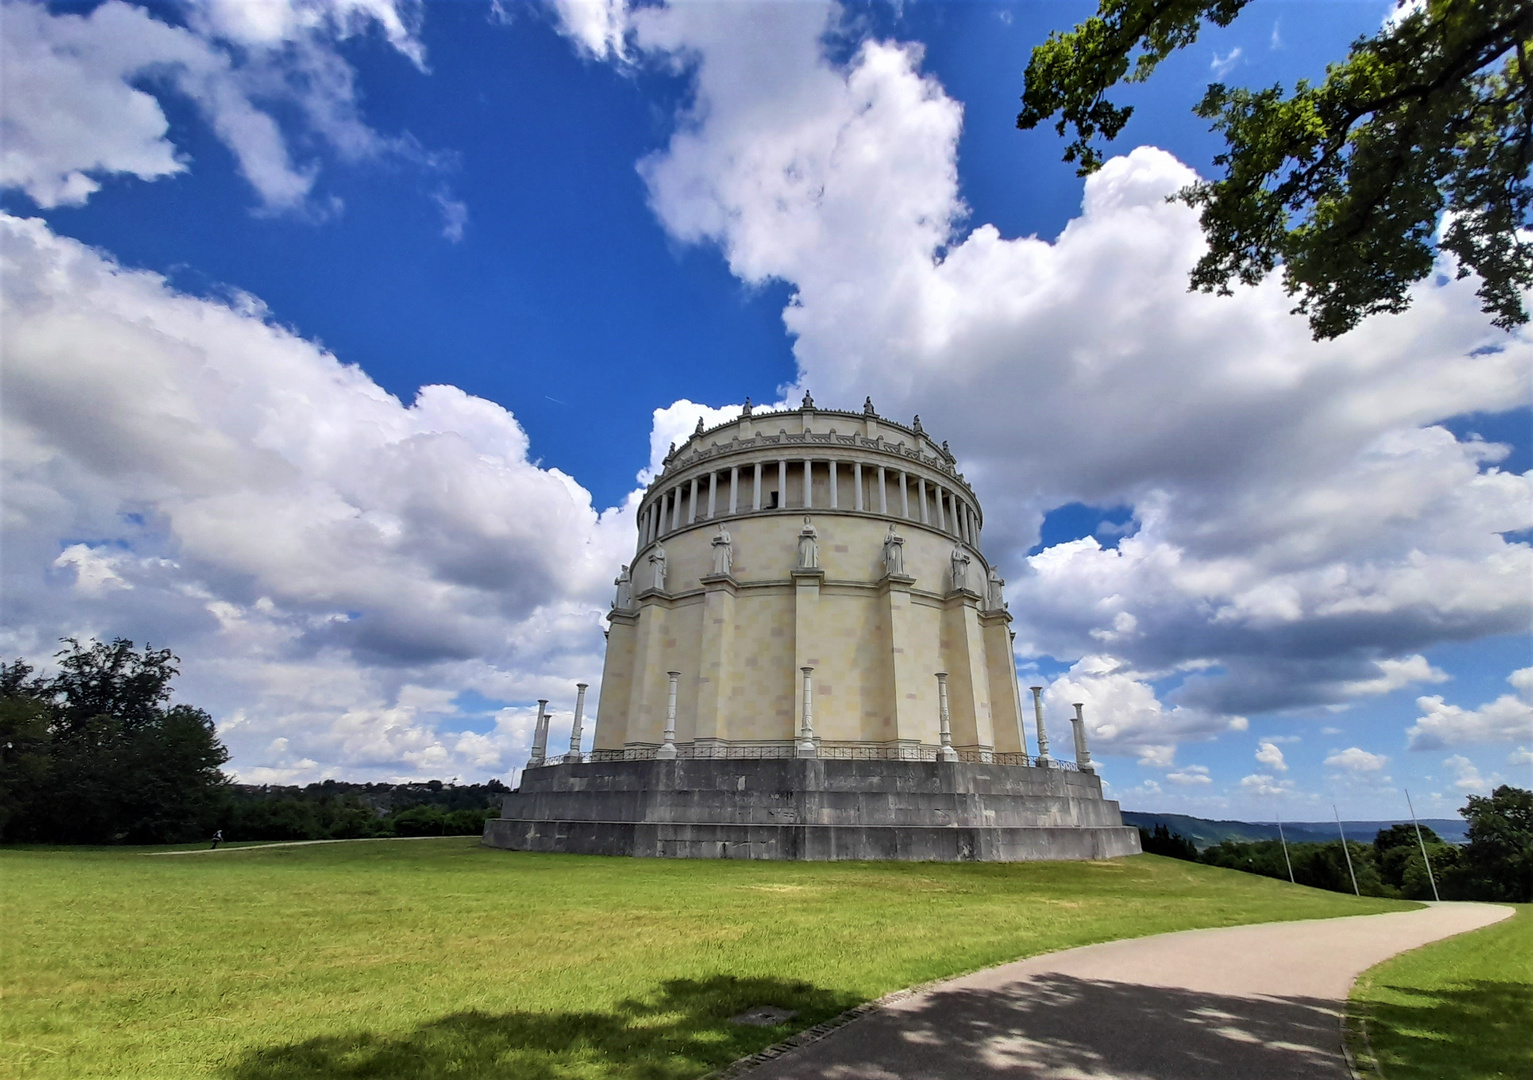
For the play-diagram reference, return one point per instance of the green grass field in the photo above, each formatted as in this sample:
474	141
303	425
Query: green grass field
1458	1009
437	958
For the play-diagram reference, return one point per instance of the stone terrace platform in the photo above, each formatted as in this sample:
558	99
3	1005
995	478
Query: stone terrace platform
812	809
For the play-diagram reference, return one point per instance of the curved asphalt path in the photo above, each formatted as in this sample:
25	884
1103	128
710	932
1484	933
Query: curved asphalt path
1238	1003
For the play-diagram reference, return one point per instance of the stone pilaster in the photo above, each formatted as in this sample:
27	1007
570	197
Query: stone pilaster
969	685
717	657
907	681
617	681
646	708
806	638
1001	671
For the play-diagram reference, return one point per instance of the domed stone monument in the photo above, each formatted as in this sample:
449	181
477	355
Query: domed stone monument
810	658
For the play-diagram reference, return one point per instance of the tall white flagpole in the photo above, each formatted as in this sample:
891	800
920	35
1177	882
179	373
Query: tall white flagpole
1430	876
1350	872
1284	841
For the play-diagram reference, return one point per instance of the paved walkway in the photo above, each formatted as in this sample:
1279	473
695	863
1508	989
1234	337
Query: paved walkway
1240	1003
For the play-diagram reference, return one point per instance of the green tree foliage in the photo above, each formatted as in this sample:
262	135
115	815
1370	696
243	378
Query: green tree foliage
1397	853
1344	184
1320	866
337	810
96	754
1162	841
1497	862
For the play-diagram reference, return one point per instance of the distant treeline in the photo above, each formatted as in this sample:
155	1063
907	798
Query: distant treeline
1496	862
335	810
96	754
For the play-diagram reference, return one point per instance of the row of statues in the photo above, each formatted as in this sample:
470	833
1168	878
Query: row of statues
809	559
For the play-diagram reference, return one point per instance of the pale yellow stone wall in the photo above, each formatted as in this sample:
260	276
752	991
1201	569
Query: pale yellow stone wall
875	644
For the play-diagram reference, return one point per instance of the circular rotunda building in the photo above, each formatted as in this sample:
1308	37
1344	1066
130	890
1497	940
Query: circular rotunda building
809	657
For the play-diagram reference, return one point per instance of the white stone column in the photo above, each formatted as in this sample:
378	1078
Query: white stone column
941	517
904	496
806	747
1044	761
782	483
835	502
857	485
667	751
713	492
756	496
883	492
734	489
808	485
921	497
1082	755
574	757
692	503
945	725
539	736
675	507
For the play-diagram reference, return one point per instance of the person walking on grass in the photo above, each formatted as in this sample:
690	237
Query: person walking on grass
218	838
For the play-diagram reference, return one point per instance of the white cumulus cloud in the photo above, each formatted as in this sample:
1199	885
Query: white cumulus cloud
1356	761
333	566
1307	528
1507	719
1271	756
79	94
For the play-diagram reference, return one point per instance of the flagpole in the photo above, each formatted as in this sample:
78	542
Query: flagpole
1284	841
1350	872
1430	876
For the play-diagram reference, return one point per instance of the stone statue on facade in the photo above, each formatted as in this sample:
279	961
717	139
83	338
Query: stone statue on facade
657	567
747	410
624	585
723	551
894	553
808	547
867	407
808	402
699	429
961	562
916	427
996	598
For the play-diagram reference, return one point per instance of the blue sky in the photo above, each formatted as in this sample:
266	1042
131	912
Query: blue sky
1271	567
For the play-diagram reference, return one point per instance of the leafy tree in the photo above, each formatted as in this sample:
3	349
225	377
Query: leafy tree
1320	866
1397	853
24	746
1344	183
1497	862
106	759
1162	841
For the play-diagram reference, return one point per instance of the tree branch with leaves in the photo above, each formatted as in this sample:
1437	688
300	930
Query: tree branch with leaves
1418	143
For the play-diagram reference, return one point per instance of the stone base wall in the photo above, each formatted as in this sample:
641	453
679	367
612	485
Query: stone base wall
813	810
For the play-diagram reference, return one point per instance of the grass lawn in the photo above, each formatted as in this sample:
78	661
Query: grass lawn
438	958
1458	1009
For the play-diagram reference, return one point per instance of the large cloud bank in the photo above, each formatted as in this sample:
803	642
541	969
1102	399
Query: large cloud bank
334	566
1304	526
338	567
76	106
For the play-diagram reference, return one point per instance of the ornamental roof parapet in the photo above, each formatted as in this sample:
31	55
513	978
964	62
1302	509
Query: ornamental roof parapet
696	451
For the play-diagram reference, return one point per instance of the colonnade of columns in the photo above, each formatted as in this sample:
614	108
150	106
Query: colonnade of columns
700	498
804	744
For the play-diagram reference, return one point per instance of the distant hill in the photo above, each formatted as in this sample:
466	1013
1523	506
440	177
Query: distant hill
1206	833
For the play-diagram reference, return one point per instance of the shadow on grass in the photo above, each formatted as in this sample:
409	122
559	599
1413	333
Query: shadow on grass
1477	1029
682	1030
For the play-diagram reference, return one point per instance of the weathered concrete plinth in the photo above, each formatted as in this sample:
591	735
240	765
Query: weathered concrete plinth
813	810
